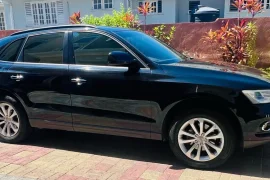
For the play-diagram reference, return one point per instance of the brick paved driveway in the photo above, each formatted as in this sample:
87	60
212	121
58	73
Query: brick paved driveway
64	155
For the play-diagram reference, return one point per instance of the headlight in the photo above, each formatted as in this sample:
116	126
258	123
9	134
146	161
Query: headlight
258	96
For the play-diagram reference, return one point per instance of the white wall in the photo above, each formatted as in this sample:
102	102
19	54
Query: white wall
70	6
6	8
266	13
85	7
2	9
19	14
167	16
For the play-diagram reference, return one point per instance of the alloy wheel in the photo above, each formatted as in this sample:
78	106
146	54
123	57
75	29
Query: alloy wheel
201	139
9	120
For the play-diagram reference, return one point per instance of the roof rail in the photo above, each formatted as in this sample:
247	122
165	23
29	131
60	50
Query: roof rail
53	27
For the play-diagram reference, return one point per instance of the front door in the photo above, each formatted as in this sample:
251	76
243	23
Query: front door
40	78
105	99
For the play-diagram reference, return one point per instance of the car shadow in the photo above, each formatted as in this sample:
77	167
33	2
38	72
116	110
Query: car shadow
252	162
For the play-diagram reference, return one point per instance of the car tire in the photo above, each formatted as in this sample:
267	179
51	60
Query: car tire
14	124
210	155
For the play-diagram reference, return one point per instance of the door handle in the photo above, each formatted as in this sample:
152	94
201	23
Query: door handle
17	77
79	81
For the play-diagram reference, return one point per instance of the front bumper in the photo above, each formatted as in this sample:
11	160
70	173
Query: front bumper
252	121
253	133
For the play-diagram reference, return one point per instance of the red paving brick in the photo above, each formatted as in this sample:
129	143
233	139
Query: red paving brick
103	167
85	164
68	177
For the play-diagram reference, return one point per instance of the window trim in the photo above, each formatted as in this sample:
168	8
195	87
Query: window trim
65	60
102	5
108	4
4	20
11	42
72	53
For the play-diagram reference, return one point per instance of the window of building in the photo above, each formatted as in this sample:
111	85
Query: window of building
44	13
232	7
11	52
266	4
46	48
156	6
97	4
2	21
107	4
102	4
93	49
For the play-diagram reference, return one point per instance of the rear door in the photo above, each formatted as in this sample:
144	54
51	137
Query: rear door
40	78
8	55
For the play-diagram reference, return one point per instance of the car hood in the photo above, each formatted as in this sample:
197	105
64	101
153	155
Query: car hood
220	66
204	71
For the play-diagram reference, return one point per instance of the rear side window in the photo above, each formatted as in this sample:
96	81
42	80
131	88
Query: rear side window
46	48
11	52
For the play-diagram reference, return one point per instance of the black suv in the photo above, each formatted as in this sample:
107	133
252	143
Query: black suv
123	82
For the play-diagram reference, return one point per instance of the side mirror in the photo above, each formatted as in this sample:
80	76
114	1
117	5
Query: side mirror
120	58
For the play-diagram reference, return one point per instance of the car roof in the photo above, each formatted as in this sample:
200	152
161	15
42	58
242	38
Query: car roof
68	27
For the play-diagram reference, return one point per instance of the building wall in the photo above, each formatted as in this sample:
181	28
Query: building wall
18	13
8	17
85	7
173	10
70	6
2	9
167	16
183	8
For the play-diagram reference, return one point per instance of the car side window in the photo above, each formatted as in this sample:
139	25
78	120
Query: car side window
93	49
11	52
45	48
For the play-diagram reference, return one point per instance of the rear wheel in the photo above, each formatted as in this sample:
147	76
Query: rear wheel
202	139
14	125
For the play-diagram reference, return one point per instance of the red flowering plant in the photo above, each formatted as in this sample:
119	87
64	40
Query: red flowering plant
131	20
254	7
145	9
126	19
75	18
237	43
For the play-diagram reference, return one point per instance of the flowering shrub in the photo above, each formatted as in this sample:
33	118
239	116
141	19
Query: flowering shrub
266	72
254	7
145	9
123	18
75	18
160	33
126	19
253	56
237	42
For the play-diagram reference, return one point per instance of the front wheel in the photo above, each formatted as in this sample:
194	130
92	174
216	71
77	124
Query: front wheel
202	140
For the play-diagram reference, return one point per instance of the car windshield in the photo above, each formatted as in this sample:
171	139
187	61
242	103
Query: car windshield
151	48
